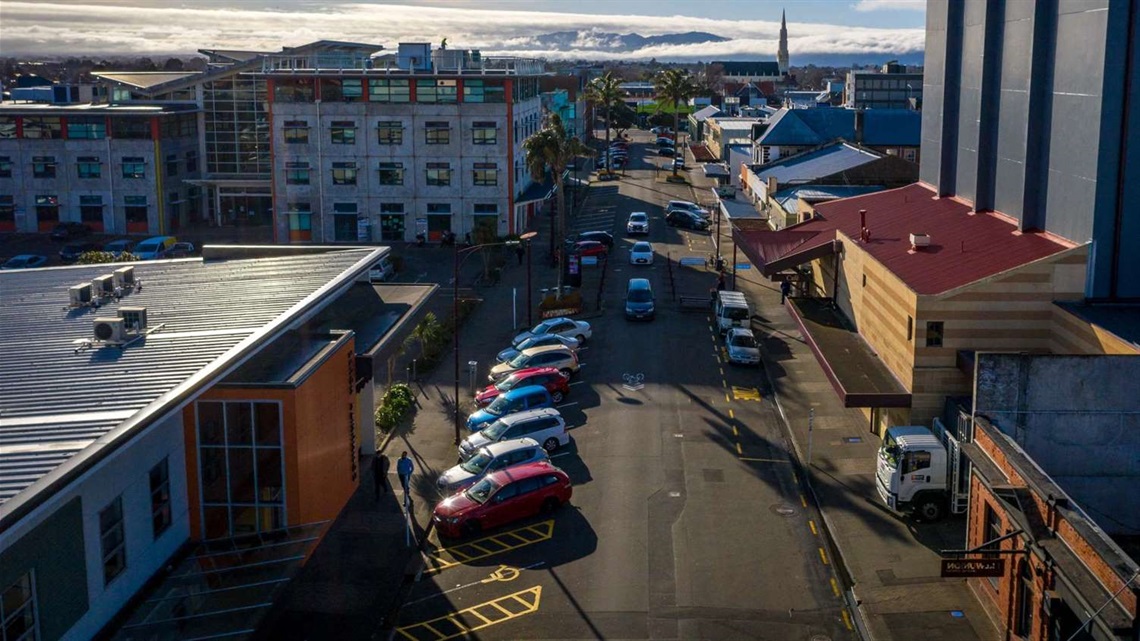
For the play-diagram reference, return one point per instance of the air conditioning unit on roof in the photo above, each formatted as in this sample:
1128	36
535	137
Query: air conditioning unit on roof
103	285
80	295
134	317
124	277
110	330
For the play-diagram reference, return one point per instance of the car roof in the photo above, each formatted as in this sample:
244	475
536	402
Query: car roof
530	415
524	471
639	283
524	390
546	348
534	371
741	330
510	445
642	242
638	213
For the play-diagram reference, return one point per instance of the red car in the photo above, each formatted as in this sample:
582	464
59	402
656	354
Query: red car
589	248
502	497
553	380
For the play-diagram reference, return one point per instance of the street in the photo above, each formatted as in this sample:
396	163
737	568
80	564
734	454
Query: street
687	519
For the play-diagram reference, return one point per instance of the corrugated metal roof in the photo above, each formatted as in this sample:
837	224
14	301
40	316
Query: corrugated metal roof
808	127
816	164
818	193
55	400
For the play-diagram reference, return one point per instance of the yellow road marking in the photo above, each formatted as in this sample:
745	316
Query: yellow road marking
738	450
811	524
847	620
476	617
835	586
504	573
438	560
731	415
735	432
727	399
720	368
823	556
803	500
746	393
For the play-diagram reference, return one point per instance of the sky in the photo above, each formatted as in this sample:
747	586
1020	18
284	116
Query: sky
154	27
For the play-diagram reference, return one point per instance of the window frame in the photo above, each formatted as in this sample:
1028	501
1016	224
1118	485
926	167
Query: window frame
297	173
344	173
295	132
161	501
935	333
397	169
116	530
485	174
133	167
479	131
437	132
342	132
88	167
44	167
390	132
31	604
438	174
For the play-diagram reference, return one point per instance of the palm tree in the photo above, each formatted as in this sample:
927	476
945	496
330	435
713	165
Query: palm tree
605	92
552	149
677	87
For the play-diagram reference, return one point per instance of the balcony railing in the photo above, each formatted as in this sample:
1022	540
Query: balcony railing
357	64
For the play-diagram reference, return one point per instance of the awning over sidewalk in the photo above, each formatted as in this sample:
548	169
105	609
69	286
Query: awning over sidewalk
775	251
536	192
858	375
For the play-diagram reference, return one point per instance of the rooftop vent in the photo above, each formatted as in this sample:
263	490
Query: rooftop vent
80	295
919	240
135	317
124	277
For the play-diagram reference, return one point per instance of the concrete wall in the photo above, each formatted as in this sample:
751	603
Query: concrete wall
1073	416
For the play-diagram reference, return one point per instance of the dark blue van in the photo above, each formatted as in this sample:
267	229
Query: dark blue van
639	303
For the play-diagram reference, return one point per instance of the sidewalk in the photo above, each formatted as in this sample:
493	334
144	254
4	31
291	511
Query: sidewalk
892	564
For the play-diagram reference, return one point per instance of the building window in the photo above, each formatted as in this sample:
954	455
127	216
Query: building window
241	467
485	133
89	167
7	213
5	166
134	167
300	221
47	209
48	127
436	91
384	90
112	540
992	532
160	514
86	128
486	174
7	126
296	132
19	617
174	205
910	155
344	132
344	222
91	210
296	173
130	128
293	90
1023	618
438	133
438	174
391	173
909	328
43	167
934	330
342	89
390	132
171	165
344	173
392	221
483	91
136	210
191	161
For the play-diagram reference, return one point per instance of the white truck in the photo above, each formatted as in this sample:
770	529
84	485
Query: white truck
731	310
920	471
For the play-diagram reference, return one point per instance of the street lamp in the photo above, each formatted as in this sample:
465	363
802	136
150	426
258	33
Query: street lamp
466	252
529	303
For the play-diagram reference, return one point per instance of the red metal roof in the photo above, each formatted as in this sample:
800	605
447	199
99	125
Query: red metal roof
964	247
701	153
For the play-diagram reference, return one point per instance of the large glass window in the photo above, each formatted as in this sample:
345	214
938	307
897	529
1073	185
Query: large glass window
130	128
344	173
1023	618
343	132
43	127
134	167
438	174
390	132
237	128
486	174
296	132
47	209
392	221
437	90
160	515
136	210
438	133
386	90
89	167
293	90
342	89
5	166
113	540
171	165
7	126
391	173
241	467
7	212
300	216
344	222
296	173
43	167
86	128
192	161
91	210
483	91
485	133
19	617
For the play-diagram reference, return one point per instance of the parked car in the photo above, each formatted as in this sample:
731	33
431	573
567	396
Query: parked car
687	206
639	300
551	356
154	248
544	425
641	254
541	340
119	247
72	251
638	223
686	219
503	497
488	460
181	250
666	142
603	237
741	346
519	399
561	325
661	130
589	248
70	229
555	382
25	261
679	163
667	151
382	271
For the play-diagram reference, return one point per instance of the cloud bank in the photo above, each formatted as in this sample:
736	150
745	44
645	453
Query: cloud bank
49	28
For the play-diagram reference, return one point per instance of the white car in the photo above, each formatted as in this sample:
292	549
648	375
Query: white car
641	254
687	206
568	327
638	223
741	347
544	425
489	459
540	340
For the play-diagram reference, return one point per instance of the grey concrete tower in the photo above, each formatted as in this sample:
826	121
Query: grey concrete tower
782	54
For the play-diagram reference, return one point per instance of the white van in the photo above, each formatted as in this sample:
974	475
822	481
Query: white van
544	425
731	310
382	271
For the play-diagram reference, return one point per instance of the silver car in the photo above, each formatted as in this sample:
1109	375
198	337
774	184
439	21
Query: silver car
741	347
542	340
489	459
578	330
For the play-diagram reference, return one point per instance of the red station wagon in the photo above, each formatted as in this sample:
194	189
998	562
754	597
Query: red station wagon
505	496
549	377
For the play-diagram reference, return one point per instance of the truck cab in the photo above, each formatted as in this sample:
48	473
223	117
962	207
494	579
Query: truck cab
731	310
912	472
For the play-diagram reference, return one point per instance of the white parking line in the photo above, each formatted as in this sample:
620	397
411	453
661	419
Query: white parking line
562	454
558	407
577	383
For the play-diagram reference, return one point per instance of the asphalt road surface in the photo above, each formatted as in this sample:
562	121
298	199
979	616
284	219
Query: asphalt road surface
687	521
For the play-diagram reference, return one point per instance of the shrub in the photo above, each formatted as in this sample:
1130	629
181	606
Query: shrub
394	407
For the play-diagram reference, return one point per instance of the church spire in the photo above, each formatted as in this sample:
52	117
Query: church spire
782	54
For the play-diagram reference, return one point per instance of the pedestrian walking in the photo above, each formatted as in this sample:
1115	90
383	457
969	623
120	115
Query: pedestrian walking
520	251
404	470
380	474
785	291
720	283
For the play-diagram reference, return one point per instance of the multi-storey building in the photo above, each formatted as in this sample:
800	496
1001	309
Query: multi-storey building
119	169
889	87
423	143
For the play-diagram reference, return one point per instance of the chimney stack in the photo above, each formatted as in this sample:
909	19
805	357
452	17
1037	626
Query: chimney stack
864	233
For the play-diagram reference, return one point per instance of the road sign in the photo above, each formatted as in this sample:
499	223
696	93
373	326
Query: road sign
589	260
970	568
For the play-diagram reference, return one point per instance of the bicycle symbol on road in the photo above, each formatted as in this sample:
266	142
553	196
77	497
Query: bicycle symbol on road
633	382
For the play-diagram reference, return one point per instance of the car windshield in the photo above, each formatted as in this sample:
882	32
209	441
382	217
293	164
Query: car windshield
637	218
499	405
482	490
736	313
507	383
889	451
495	430
743	340
642	248
147	247
476	464
542	328
640	296
519	361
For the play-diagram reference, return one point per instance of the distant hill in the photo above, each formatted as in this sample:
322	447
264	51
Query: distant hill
584	39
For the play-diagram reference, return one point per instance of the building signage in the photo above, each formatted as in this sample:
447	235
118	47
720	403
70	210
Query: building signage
969	568
562	311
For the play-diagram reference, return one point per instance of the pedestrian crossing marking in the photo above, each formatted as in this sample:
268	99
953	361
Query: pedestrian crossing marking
745	393
443	558
477	617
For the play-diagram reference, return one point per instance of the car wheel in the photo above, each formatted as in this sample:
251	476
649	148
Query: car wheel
556	396
550	505
581	338
930	509
567	372
471	528
550	444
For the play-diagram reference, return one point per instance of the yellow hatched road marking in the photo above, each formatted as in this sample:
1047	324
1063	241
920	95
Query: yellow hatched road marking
847	620
443	558
746	393
476	617
835	586
823	556
811	524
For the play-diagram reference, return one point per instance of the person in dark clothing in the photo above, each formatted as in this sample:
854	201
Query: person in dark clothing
380	473
785	291
520	251
404	469
720	283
